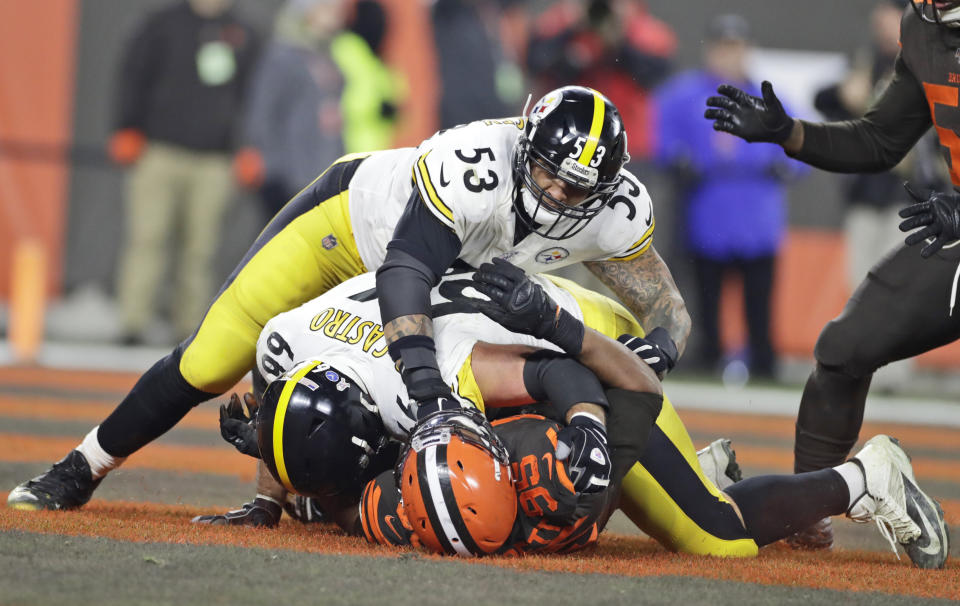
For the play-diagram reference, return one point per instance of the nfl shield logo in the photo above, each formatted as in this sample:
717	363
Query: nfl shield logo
329	242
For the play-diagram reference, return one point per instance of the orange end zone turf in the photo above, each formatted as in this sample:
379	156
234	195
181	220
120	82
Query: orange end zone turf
619	555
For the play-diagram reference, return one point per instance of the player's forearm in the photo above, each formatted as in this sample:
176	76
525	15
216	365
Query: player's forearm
268	486
405	326
615	365
646	287
593	409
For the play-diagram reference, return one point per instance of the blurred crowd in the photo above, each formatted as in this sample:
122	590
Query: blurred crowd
209	105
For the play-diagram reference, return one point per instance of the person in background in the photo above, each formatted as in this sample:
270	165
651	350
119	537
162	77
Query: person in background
873	199
180	91
733	195
477	77
611	45
372	91
293	127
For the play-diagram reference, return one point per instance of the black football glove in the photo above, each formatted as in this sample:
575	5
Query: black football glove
237	428
933	215
262	512
305	509
583	445
748	117
520	305
657	349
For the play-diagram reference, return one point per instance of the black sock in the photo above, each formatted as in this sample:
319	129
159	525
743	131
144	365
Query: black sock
156	403
776	506
829	420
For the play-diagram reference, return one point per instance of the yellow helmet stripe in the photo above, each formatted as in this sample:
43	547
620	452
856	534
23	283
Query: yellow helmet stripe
278	423
599	109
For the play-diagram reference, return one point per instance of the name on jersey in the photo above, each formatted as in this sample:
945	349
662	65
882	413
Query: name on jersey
518	122
953	77
350	328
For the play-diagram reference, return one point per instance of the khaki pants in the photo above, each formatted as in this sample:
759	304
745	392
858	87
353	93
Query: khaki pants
172	190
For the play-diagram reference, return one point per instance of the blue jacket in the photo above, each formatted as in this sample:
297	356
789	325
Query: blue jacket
735	205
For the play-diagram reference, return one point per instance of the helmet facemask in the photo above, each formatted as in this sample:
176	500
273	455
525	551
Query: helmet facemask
576	135
946	14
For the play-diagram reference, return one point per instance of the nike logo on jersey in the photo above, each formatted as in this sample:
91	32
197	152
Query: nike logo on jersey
443	182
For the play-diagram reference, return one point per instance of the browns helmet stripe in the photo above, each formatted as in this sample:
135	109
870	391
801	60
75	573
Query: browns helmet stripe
437	509
456	516
281	412
599	109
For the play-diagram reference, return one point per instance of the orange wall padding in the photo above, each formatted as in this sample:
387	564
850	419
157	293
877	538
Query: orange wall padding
36	79
810	289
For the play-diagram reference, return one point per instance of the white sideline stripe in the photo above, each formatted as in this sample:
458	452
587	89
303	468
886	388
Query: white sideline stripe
433	480
786	402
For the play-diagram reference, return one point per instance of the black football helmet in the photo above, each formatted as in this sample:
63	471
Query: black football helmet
319	434
576	134
940	13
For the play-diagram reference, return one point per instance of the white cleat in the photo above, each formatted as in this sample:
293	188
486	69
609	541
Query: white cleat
903	513
719	463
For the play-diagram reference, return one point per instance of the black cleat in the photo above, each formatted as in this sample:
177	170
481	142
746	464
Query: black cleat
817	537
67	485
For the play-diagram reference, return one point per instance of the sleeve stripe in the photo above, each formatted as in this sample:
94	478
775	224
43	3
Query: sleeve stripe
639	247
427	185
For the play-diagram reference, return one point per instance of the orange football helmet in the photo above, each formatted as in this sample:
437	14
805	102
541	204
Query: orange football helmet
456	485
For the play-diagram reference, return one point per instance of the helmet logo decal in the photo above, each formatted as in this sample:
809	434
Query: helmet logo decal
552	255
343	385
309	384
331	376
544	106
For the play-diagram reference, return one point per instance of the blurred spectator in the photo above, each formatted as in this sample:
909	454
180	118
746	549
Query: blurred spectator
179	94
614	46
372	91
293	123
874	199
734	201
478	78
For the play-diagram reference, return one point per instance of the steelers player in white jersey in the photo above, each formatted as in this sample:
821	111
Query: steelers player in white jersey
515	188
325	452
542	192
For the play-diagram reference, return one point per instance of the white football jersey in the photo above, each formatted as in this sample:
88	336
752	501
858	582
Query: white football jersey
343	328
465	177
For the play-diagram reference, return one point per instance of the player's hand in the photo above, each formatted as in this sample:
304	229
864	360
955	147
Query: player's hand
261	512
748	117
237	428
933	215
126	146
248	167
429	406
583	445
520	305
657	349
305	509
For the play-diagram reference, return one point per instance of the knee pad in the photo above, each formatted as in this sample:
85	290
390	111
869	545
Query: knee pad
837	349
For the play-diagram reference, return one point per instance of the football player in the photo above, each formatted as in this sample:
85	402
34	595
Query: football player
662	485
905	305
545	190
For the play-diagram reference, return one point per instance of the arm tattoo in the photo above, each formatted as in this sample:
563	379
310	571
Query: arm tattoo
414	324
646	287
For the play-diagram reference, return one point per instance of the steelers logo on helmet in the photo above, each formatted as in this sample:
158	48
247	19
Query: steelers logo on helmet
574	134
319	434
456	485
938	12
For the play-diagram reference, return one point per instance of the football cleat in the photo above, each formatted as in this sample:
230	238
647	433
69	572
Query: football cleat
817	537
719	463
903	513
67	485
305	509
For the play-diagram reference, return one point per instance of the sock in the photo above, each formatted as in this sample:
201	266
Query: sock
160	398
852	474
101	462
774	507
